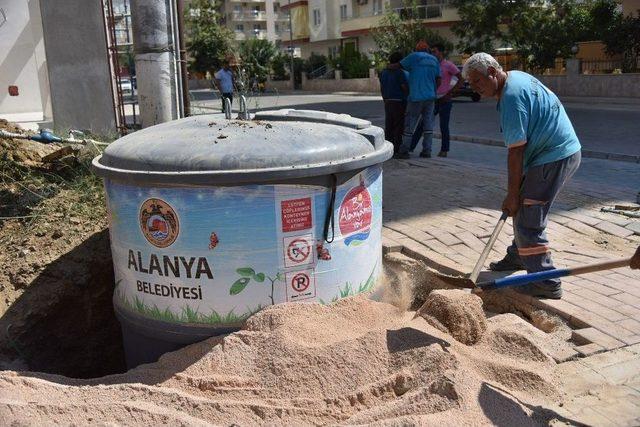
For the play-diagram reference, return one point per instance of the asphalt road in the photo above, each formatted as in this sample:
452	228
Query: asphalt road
608	126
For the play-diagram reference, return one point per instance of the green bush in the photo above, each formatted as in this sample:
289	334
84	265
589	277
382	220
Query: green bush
354	66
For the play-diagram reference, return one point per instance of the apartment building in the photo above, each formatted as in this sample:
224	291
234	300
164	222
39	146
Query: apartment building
328	27
260	19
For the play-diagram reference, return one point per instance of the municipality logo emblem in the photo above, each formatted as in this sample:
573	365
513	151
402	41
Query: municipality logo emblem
159	222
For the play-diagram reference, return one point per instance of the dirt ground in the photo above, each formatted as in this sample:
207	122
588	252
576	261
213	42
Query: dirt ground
55	293
358	361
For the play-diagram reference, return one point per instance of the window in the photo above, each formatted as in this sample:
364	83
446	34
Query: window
377	7
343	12
316	17
240	27
256	28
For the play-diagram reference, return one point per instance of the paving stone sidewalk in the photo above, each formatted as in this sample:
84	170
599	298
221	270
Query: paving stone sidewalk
443	211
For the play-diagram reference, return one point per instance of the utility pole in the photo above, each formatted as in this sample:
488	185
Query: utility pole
293	77
155	58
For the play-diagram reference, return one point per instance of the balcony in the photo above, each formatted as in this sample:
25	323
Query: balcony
250	34
437	11
248	15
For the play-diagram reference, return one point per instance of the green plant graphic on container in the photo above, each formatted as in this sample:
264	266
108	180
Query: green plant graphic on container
187	315
247	274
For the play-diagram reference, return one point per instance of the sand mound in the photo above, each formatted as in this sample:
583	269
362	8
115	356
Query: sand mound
354	362
456	312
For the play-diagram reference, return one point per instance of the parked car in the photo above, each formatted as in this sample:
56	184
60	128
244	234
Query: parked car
465	90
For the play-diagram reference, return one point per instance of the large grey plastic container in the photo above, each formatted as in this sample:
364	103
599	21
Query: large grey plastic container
213	219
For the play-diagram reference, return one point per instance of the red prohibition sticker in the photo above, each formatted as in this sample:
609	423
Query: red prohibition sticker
298	250
300	282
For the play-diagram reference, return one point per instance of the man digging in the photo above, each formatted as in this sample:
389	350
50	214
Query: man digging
544	152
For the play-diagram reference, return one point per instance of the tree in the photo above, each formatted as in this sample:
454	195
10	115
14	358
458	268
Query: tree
256	56
208	43
620	34
399	32
539	30
280	65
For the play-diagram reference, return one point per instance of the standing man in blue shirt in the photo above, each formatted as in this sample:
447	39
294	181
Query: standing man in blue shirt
424	78
544	153
224	83
394	86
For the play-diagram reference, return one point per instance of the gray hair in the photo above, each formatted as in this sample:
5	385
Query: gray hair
480	62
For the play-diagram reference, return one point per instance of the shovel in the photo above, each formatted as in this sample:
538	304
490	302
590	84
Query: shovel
523	279
469	282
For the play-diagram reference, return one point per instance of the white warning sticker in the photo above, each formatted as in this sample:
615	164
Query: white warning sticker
298	250
301	285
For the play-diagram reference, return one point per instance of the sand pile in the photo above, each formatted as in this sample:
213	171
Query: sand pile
457	312
354	362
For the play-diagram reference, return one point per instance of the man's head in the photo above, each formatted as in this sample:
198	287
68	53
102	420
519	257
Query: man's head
484	74
422	46
395	57
438	51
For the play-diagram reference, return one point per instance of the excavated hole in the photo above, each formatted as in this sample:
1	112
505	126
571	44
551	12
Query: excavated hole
64	322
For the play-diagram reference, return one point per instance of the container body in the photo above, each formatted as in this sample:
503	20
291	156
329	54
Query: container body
209	257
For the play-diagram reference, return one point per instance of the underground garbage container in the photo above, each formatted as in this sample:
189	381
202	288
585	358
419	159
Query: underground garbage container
212	220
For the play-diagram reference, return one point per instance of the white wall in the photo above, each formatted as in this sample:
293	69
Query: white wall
23	63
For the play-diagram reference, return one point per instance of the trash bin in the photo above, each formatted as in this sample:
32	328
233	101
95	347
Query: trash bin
213	219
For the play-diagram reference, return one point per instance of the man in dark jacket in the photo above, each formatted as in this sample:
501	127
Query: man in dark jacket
394	86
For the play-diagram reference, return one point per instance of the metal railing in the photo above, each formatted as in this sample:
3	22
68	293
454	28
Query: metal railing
433	9
429	11
600	66
249	15
323	72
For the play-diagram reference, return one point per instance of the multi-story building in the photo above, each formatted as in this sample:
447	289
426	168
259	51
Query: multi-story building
261	19
328	27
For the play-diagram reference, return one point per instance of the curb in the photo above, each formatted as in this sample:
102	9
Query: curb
585	153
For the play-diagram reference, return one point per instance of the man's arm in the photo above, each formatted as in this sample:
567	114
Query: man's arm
511	202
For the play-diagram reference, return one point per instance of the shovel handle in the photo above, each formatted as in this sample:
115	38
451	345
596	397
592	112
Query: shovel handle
485	253
523	279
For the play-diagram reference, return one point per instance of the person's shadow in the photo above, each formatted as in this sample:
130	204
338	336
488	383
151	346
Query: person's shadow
504	409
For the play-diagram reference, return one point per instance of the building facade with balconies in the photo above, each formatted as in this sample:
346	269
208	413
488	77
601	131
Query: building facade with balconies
259	19
328	27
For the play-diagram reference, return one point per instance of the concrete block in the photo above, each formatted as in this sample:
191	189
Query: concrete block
630	324
611	228
580	216
390	245
445	237
634	226
593	335
589	349
580	227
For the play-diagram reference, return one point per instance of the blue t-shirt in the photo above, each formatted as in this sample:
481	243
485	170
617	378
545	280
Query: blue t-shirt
423	69
391	81
530	112
226	80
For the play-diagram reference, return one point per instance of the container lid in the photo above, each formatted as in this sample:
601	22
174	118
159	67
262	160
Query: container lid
273	146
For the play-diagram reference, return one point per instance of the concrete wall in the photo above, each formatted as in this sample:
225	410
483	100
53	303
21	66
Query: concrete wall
278	85
23	63
367	85
79	76
597	85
